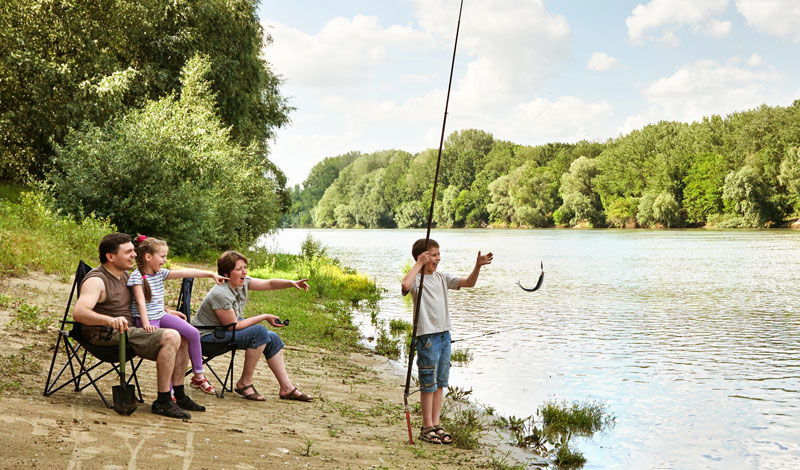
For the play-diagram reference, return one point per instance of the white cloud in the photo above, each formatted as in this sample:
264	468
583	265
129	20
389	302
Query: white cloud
342	54
664	15
513	45
773	17
703	88
568	118
755	60
716	28
600	62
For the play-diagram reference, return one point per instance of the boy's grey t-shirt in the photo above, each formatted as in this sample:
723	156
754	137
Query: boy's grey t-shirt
434	312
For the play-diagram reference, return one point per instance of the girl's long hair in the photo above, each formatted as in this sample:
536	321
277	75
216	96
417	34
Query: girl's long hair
146	245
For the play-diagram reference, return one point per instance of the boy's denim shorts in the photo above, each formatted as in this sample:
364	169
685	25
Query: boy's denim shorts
433	361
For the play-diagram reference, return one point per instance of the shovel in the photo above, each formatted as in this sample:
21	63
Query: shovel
124	395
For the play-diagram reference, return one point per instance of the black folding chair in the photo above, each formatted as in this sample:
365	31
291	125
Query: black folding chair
210	350
78	369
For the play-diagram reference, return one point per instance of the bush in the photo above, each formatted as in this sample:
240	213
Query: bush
170	170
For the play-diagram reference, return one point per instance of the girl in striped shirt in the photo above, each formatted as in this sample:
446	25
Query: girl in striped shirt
147	283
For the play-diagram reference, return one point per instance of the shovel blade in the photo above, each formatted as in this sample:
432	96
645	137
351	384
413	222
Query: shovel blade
124	399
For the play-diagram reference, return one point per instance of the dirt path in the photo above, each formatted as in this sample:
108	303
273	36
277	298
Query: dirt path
356	421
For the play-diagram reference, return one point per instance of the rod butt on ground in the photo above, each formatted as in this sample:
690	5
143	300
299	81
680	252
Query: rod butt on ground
408	424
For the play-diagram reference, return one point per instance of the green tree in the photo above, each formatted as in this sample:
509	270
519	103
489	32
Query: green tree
746	195
66	62
580	201
790	175
170	169
702	194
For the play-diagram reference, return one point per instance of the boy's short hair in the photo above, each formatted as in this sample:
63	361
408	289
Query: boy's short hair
110	244
420	247
227	261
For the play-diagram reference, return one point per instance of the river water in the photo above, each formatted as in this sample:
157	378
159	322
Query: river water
691	338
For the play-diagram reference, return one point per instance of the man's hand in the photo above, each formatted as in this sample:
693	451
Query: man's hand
118	323
484	259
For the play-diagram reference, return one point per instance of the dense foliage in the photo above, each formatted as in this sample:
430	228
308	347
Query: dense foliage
171	169
69	62
742	170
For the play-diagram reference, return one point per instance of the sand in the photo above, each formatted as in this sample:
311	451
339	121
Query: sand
355	422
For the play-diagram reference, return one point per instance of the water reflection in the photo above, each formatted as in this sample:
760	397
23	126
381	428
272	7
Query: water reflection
690	337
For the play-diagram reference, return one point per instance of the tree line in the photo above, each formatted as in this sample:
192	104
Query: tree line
737	171
154	114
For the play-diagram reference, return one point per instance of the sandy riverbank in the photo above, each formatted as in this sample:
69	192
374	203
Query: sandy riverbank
355	422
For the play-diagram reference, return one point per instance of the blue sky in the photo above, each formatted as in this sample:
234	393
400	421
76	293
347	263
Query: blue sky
372	75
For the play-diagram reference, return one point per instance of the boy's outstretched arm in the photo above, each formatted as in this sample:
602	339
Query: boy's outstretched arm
411	275
470	280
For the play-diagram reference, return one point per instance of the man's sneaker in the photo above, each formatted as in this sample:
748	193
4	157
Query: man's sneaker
188	404
169	409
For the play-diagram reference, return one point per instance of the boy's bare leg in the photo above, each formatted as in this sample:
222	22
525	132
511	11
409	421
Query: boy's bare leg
426	404
181	361
165	361
431	404
436	406
278	369
251	357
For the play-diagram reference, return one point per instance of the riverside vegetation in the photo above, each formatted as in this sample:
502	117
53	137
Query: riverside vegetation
739	170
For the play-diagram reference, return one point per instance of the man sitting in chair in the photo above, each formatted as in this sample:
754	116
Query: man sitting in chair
105	304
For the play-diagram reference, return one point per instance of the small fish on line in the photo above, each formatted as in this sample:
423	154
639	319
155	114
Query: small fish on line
538	283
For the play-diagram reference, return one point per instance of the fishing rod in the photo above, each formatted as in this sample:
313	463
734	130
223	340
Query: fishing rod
428	233
484	334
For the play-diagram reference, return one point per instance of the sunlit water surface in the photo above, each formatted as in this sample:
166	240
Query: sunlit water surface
691	338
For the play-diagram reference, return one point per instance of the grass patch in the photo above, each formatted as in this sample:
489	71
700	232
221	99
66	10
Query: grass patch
582	418
31	317
464	424
387	346
567	457
461	355
397	326
34	235
12	366
550	436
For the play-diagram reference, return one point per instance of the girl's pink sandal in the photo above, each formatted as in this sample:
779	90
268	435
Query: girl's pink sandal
203	385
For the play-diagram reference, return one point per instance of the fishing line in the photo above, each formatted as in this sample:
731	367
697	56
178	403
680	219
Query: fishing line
428	233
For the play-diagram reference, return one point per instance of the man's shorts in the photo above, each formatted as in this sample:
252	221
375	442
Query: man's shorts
143	343
251	337
433	361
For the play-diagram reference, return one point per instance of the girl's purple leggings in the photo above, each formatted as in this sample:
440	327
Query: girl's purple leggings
187	331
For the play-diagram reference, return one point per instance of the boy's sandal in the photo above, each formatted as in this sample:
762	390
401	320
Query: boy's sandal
203	385
254	395
292	396
429	435
443	435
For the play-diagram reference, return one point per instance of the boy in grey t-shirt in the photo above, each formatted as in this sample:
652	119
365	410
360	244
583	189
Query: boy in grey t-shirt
433	330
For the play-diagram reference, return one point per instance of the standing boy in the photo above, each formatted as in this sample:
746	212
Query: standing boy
433	330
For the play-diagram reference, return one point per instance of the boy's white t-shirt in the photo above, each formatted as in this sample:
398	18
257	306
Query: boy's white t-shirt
434	311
